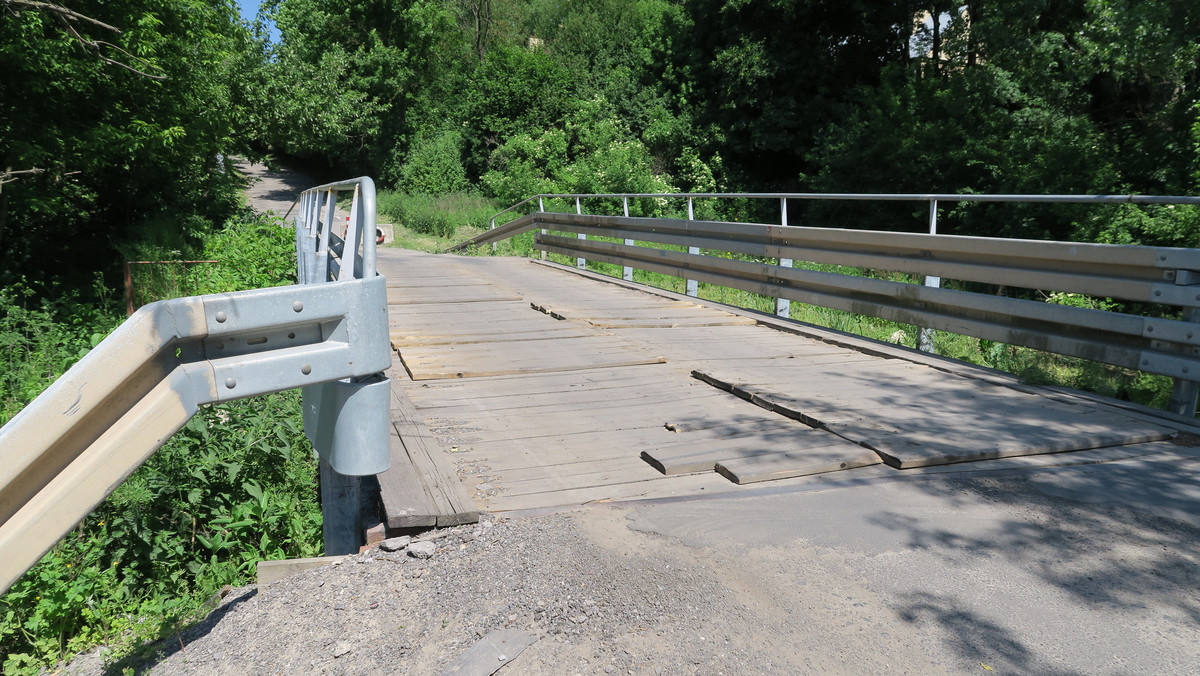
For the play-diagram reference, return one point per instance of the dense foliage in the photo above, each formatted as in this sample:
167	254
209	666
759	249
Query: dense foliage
513	97
235	486
120	129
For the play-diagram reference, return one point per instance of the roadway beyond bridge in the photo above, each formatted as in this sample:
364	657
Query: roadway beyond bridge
521	386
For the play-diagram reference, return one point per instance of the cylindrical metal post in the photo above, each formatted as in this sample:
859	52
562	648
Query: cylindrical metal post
580	263
783	306
626	272
925	336
693	288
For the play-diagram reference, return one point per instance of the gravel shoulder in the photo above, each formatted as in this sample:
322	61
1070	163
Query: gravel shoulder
1092	569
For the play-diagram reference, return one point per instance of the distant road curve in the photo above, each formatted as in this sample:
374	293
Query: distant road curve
271	190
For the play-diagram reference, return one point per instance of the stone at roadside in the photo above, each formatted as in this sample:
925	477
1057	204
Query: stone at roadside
341	648
395	544
422	550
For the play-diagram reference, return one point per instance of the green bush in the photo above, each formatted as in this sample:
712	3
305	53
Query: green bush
434	165
235	486
440	216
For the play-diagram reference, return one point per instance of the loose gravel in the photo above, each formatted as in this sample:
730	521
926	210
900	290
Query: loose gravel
625	609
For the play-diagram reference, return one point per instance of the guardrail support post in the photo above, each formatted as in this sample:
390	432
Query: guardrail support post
925	336
626	272
1185	393
783	306
580	263
693	288
340	509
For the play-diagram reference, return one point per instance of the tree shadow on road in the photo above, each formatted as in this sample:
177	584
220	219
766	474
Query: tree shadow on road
1119	538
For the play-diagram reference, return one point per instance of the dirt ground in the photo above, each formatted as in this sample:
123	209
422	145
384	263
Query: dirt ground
1091	569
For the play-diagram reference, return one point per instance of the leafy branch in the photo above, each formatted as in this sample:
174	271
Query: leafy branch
69	18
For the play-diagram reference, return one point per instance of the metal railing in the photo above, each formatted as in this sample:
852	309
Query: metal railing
1160	275
78	440
346	420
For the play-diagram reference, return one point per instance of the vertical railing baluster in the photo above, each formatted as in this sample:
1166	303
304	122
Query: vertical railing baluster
350	247
580	263
541	209
783	306
626	272
693	288
925	336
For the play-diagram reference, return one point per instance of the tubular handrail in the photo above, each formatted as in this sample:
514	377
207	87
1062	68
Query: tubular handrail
87	432
881	197
320	251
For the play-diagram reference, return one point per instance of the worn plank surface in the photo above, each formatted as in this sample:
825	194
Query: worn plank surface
526	387
915	417
491	653
441	487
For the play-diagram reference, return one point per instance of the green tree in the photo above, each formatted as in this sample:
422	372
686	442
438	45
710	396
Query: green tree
123	123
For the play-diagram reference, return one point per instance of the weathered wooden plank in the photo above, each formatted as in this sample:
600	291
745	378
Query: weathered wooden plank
440	281
469	429
406	503
705	454
753	468
485	293
441	372
549	402
907	447
916	419
613	472
669	322
439	479
452	392
270	571
490	653
547	349
658	486
403	339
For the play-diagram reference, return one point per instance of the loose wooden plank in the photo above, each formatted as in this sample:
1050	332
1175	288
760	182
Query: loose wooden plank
439	479
753	468
658	486
705	455
490	653
917	418
270	571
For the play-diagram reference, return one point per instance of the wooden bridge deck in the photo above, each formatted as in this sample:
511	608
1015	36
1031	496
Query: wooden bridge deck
523	386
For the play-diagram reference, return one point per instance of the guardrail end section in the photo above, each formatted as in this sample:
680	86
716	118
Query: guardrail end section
348	422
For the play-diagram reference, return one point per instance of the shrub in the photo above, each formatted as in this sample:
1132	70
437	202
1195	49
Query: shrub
235	486
440	216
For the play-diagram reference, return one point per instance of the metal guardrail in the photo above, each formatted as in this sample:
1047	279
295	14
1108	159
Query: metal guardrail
86	433
1163	275
347	420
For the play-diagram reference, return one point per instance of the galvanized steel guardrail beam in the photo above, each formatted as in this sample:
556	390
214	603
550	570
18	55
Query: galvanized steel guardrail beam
1163	275
86	433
